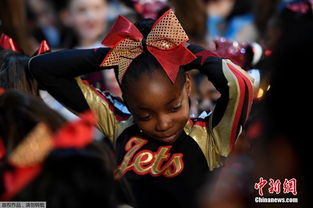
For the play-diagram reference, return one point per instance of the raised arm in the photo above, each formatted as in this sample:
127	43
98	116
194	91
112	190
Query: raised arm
58	73
232	108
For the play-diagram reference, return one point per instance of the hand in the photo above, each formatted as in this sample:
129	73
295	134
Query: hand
201	53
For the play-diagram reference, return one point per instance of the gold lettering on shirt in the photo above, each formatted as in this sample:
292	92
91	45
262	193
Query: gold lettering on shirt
145	161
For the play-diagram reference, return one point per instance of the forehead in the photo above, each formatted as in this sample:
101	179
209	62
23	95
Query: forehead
153	91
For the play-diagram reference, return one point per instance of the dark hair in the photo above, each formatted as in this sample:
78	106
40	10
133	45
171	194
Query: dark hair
145	63
193	17
19	114
263	11
70	178
74	178
287	102
60	4
240	7
291	59
13	73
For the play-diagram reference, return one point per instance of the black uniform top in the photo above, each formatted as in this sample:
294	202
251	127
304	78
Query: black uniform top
161	175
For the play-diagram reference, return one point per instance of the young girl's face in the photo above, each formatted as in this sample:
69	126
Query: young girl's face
88	18
160	108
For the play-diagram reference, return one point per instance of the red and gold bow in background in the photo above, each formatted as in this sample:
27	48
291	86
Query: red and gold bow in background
7	43
165	42
28	157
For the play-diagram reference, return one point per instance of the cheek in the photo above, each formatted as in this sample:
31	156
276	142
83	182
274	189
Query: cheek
100	15
186	107
78	19
184	113
147	126
179	119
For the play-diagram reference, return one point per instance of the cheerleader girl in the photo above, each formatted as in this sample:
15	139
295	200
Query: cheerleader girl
164	155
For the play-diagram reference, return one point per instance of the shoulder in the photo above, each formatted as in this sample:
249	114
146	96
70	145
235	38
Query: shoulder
197	128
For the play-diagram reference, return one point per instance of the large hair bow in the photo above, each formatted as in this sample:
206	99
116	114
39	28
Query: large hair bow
165	42
28	157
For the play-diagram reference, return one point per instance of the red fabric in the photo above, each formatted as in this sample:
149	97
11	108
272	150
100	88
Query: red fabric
250	94
172	59
76	134
2	148
121	30
16	180
232	50
43	48
7	43
201	123
241	83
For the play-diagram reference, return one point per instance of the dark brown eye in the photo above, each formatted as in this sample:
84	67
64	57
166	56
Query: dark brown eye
144	118
176	108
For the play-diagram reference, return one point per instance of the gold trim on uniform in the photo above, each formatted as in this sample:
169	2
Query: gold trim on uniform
107	122
215	142
222	131
206	143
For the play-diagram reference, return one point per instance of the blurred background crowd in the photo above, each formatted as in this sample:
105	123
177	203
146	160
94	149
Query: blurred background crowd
271	39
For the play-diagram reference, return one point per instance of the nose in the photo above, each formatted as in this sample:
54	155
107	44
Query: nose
164	122
90	15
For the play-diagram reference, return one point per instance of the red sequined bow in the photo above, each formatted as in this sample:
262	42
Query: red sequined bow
28	157
165	42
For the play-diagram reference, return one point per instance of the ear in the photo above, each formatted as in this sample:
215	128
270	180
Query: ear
188	83
125	98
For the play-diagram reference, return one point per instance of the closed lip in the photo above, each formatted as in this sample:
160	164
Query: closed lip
167	139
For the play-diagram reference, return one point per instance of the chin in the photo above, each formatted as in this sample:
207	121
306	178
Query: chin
170	139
